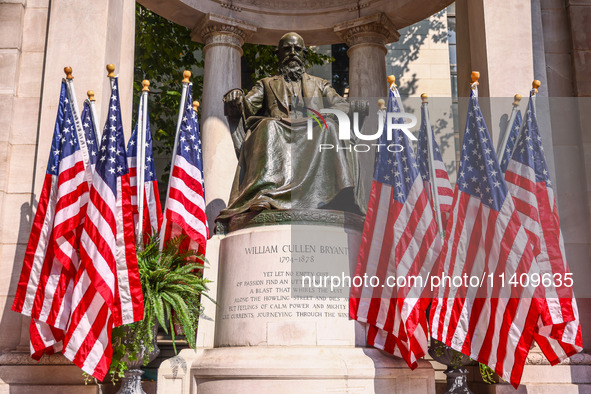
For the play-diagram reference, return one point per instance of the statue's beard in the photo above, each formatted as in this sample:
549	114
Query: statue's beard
292	69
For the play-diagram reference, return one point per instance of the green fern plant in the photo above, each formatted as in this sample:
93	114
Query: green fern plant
172	284
488	375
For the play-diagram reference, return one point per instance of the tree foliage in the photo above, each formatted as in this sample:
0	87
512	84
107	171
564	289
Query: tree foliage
262	59
163	50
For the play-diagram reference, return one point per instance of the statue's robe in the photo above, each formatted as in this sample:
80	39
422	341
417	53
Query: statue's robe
277	164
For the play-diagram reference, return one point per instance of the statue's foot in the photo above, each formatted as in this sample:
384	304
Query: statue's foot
260	206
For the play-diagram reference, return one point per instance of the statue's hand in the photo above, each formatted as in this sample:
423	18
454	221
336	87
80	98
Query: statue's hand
233	102
234	97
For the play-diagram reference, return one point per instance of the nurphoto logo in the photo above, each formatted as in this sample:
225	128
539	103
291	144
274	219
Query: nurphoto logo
393	120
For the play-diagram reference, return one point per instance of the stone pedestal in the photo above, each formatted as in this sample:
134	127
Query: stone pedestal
292	370
277	330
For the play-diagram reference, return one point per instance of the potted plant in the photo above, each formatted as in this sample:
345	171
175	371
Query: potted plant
172	284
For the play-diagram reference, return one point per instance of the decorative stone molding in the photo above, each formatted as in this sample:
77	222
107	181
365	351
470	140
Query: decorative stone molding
230	6
538	358
281	5
215	30
20	358
375	29
359	6
311	216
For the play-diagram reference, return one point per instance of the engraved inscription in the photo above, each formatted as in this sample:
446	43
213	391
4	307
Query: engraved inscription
267	294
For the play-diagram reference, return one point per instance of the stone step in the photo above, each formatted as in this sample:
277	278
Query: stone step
54	389
531	388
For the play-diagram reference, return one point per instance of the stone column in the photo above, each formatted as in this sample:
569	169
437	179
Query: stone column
367	38
486	35
223	38
576	163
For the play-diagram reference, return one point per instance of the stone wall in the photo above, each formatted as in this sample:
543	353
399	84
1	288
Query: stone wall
37	39
420	61
420	58
22	45
567	44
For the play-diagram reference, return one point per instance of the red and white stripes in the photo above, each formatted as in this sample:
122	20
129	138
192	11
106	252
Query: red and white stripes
491	323
185	207
399	240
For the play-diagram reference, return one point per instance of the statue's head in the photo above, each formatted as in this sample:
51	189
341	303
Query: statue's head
292	53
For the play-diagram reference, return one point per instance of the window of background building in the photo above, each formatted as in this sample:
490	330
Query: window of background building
340	68
453	71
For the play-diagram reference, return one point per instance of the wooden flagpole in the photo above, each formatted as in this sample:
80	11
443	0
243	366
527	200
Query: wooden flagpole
503	142
78	124
535	85
431	163
534	88
94	116
186	82
141	159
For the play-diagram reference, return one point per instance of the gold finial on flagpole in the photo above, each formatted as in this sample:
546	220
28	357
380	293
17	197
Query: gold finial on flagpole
382	104
68	71
535	85
517	99
391	80
186	76
90	95
424	97
475	76
146	85
195	105
111	70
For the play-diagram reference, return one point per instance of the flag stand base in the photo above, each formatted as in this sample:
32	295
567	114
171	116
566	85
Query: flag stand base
456	373
132	382
457	381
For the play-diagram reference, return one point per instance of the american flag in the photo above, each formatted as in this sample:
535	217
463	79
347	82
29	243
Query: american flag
185	206
444	189
50	264
107	291
492	323
513	134
152	210
90	134
529	183
399	240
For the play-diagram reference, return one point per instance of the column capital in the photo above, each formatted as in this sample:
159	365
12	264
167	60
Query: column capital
215	29
376	29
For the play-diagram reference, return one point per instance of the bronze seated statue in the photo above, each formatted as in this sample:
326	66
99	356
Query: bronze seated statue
279	168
